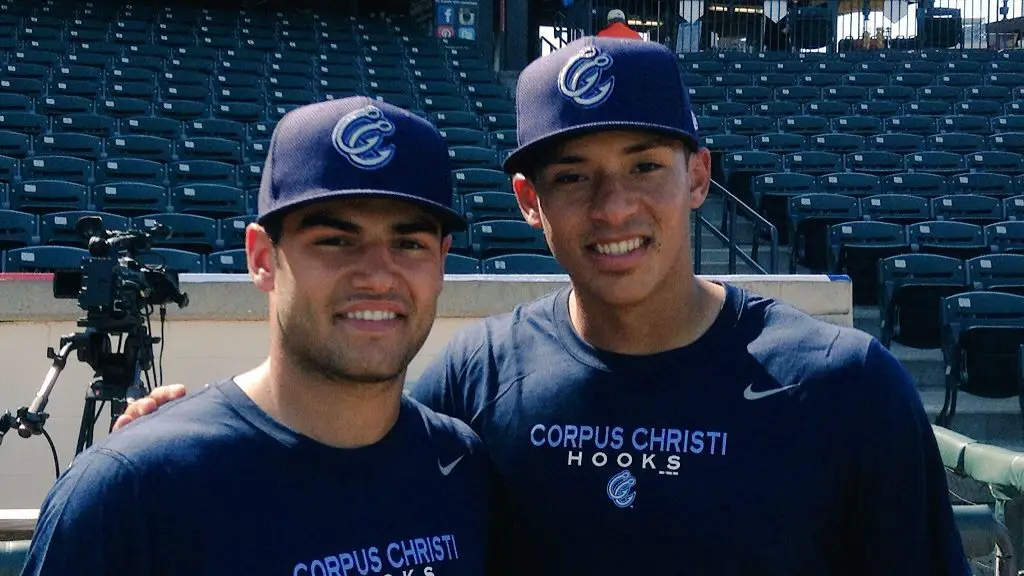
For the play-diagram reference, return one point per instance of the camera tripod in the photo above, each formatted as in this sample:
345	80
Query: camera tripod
117	378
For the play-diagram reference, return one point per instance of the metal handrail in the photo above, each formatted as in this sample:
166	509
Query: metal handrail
734	207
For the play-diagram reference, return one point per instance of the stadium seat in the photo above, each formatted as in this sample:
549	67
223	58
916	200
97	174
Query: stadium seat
897	142
497	237
921	125
473	157
18	229
59	227
741	167
971	208
948	238
57	168
15	144
25	122
480	180
917	184
129	198
981	183
855	249
809	218
997	272
1013	208
499	121
209	148
174	260
464	137
201	171
232	231
928	108
902	209
522	264
874	162
187	231
213	200
837	143
1008	141
41	196
227	262
911	289
996	161
978	108
140	146
57	105
84	146
44	259
856	184
94	124
814	163
934	162
482	206
459	264
9	169
130	170
858	125
15	103
827	109
1006	236
777	142
966	124
152	126
982	333
456	119
124	107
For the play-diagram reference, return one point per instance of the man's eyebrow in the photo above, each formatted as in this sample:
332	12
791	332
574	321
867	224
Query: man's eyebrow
319	219
322	220
642	146
645	145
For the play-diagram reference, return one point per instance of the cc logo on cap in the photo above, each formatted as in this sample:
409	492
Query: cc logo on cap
359	137
582	78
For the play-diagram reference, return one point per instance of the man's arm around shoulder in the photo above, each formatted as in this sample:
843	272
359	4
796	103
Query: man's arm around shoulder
901	516
92	521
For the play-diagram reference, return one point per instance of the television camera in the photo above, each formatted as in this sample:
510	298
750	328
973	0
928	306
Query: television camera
118	293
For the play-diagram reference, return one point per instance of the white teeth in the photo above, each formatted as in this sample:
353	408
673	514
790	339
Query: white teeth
619	248
373	315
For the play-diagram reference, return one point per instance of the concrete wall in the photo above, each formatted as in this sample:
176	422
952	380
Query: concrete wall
223	332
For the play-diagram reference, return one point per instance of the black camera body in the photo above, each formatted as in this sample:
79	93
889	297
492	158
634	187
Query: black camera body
118	294
112	286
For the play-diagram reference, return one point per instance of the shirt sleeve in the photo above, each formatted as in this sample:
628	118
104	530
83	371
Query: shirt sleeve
92	522
901	517
434	387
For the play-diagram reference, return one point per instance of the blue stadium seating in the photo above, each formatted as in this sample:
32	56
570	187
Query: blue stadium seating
134	114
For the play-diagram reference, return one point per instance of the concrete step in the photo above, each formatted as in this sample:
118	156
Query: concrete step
715	255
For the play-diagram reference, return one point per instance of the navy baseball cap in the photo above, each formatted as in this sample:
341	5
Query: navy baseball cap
357	147
595	84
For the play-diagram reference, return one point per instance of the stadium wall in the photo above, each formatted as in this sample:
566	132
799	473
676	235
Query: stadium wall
223	332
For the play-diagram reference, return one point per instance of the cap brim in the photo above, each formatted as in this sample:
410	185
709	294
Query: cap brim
451	221
520	160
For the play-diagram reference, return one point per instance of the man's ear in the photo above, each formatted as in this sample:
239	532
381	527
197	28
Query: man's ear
700	177
526	196
260	257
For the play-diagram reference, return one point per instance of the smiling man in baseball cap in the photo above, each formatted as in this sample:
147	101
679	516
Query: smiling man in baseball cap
314	462
645	420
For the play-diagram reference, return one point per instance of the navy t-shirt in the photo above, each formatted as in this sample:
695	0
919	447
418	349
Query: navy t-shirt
212	485
776	444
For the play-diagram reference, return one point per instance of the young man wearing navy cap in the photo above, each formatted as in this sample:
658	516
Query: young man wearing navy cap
314	463
647	421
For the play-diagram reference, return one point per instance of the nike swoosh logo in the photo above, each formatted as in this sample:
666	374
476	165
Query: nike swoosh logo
750	394
446	470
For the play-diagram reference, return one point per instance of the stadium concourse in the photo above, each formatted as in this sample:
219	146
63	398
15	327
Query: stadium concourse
902	170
